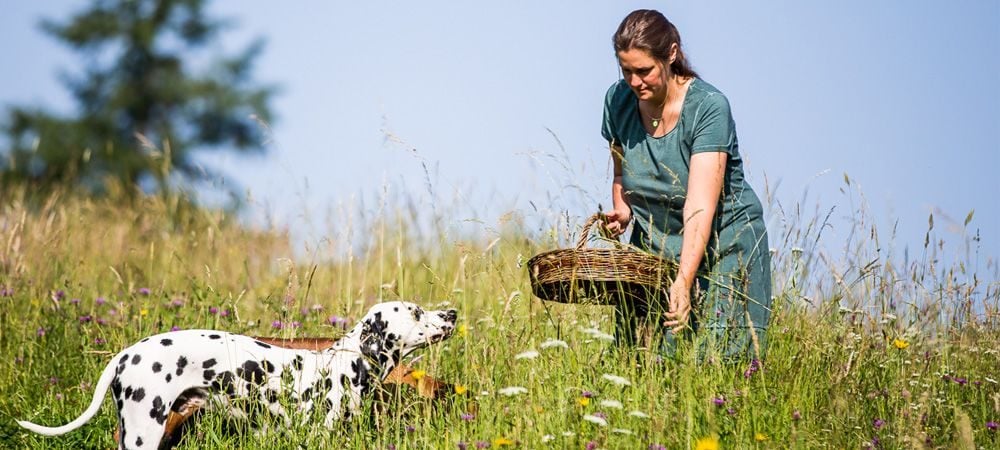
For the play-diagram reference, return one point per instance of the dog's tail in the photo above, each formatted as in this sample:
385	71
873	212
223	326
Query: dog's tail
95	405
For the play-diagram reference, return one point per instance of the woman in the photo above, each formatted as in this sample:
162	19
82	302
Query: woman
678	177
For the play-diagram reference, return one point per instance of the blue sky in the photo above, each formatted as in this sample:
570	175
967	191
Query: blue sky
902	96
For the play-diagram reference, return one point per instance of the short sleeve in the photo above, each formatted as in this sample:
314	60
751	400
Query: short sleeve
714	129
608	128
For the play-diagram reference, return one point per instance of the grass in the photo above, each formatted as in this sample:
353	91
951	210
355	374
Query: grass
866	350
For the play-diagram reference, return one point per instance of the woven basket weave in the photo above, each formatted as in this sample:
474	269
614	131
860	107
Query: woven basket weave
599	275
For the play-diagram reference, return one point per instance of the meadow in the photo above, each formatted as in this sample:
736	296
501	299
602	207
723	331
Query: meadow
868	349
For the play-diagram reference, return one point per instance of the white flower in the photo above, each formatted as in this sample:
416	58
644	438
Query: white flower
554	343
621	431
639	414
547	438
611	404
568	434
512	390
604	337
615	379
595	420
529	354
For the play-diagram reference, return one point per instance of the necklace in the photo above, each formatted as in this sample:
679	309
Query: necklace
656	121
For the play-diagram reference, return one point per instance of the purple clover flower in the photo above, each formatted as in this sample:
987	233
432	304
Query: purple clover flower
58	295
468	417
591	445
177	303
100	301
587	394
410	428
656	447
878	423
143	291
462	445
224	313
175	328
796	415
99	341
40	331
992	426
75	302
6	292
213	310
296	324
719	401
85	319
101	321
482	444
754	367
276	324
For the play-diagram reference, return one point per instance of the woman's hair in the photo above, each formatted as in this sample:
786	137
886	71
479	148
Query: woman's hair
649	30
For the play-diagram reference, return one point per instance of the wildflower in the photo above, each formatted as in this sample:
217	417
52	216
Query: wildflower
502	442
175	328
177	303
568	434
587	394
592	418
611	404
40	331
512	390
75	301
754	367
101	321
621	431
656	447
638	414
99	341
143	312
900	343
552	343
760	437
85	319
548	438
296	324
100	301
276	324
731	412
878	423
417	374
992	426
707	443
462	445
58	295
213	310
482	444
583	401
719	401
591	445
796	415
463	330
59	396
53	381
530	354
615	379
468	417
224	313
410	428
460	389
6	292
143	291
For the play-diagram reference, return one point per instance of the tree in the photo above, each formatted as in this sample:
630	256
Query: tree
141	111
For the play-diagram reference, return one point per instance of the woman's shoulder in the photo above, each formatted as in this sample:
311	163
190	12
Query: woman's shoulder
619	93
701	96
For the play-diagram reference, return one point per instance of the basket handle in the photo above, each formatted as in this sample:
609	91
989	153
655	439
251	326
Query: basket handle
602	228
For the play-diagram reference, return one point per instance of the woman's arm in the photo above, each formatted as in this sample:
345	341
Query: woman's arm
621	212
703	191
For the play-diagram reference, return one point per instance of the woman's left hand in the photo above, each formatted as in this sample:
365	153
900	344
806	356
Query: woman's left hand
680	306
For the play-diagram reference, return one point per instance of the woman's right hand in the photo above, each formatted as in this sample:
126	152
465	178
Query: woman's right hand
617	219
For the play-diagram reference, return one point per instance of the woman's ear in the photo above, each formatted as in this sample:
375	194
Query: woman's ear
673	53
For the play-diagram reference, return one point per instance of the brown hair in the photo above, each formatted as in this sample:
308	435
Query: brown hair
649	30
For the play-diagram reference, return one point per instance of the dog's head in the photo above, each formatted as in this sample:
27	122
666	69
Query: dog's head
392	330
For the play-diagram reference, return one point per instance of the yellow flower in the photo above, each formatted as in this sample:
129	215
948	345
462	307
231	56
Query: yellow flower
760	437
583	401
539	410
459	389
900	343
463	330
502	441
418	374
143	312
707	443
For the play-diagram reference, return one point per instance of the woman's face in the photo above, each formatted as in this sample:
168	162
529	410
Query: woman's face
644	74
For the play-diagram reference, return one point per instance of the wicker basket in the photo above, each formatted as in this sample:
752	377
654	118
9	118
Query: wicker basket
599	276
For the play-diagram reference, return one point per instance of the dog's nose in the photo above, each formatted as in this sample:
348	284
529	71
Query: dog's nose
451	315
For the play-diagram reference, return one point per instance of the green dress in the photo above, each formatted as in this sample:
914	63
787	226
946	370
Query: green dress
734	279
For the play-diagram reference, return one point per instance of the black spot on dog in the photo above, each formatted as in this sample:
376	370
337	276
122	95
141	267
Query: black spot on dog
271	395
307	394
267	366
261	344
209	375
182	362
214	336
169	377
418	313
120	404
224	382
138	441
128	392
123	359
166	342
157	367
158	411
361	375
251	372
138	395
136	359
208	363
297	362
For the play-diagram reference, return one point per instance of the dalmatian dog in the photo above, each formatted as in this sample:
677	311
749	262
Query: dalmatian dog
218	369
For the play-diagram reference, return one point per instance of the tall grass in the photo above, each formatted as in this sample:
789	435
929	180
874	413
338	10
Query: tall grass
867	348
